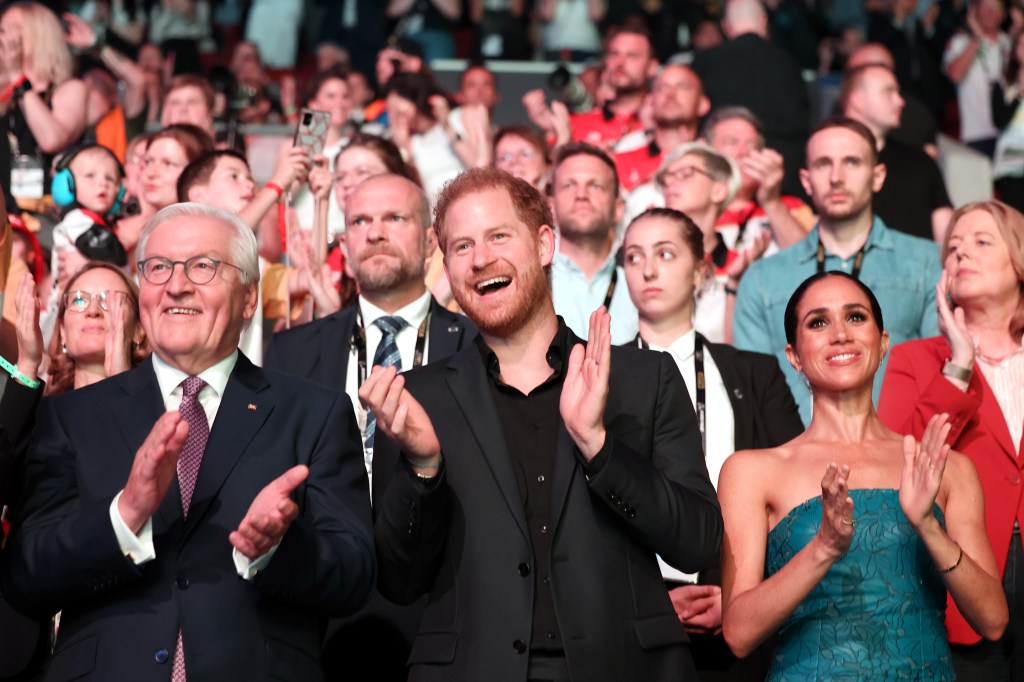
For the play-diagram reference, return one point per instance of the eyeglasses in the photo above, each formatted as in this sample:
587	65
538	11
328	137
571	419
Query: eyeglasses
680	174
198	269
522	155
80	301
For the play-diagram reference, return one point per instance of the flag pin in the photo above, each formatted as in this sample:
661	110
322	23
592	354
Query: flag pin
252	407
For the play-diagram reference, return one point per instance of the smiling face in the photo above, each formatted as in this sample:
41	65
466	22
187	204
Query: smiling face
386	240
85	333
495	262
979	262
230	187
662	272
838	343
164	160
354	165
10	38
334	97
194	326
97	179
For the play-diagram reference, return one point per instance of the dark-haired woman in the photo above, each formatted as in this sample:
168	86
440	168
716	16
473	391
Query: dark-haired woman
741	398
852	569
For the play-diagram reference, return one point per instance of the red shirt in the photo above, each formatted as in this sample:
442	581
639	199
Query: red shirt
601	127
637	166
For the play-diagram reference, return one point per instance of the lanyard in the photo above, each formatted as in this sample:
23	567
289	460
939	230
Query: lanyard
700	396
611	288
359	343
858	260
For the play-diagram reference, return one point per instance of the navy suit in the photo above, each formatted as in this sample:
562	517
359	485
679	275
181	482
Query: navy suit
120	621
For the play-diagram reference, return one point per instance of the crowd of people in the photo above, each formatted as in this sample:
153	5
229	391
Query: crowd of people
671	379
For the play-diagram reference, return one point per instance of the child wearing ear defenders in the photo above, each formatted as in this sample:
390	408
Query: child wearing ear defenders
89	184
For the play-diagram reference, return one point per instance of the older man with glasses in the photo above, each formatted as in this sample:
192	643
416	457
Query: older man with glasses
197	517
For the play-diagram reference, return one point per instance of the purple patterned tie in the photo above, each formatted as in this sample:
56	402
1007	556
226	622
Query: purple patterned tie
188	470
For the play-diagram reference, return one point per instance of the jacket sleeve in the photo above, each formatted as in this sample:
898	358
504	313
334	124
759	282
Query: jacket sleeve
17	418
914	391
666	498
325	562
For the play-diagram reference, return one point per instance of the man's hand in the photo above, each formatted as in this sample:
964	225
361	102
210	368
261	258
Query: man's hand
270	515
117	344
766	167
400	416
77	33
30	336
321	179
585	390
699	607
153	470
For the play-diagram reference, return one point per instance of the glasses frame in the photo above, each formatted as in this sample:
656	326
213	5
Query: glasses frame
101	297
682	174
186	265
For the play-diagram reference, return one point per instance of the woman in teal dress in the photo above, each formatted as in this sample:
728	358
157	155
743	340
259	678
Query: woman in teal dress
852	569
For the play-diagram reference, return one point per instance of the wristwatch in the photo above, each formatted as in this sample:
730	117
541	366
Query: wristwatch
956	371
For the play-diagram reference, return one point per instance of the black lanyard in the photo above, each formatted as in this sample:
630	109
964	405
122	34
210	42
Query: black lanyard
359	343
858	260
611	288
700	407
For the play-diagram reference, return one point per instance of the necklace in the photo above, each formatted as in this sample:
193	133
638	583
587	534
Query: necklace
994	360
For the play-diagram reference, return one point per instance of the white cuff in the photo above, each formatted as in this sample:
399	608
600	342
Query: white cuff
139	548
247	569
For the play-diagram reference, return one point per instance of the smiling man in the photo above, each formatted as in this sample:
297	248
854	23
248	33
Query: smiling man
841	176
195	516
537	477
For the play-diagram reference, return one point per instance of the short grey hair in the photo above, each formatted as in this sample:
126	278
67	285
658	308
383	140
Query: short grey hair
719	166
244	248
722	114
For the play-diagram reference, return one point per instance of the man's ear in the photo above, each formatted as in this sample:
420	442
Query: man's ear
198	194
878	177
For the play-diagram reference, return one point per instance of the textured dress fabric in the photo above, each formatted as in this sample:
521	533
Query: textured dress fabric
877	614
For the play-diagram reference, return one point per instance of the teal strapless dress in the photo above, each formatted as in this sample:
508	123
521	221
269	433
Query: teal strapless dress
877	614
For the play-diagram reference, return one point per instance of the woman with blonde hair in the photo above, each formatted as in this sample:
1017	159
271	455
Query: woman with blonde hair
44	108
974	372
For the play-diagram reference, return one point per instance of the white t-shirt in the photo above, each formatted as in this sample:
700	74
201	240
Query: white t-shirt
571	28
974	91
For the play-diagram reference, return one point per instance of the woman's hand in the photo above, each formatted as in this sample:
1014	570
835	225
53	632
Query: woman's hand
30	337
837	522
321	179
77	33
923	464
952	324
117	346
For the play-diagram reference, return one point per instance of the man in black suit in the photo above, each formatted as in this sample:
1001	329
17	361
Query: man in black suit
748	70
537	477
195	516
389	240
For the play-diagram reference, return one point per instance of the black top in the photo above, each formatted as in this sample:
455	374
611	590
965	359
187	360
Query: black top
913	189
530	424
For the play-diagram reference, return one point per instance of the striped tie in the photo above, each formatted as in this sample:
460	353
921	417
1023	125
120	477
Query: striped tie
189	460
387	355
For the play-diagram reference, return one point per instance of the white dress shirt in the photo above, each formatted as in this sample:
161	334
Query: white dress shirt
140	547
720	423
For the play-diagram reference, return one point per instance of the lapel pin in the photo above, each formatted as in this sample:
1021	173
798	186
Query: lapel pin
452	329
738	393
252	407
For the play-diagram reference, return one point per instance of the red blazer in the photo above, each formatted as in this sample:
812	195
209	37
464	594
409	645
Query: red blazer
912	391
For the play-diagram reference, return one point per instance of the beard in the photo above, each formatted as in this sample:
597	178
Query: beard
381	275
504	319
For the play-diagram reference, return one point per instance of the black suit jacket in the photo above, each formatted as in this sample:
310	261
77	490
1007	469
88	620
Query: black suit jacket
120	621
320	350
463	539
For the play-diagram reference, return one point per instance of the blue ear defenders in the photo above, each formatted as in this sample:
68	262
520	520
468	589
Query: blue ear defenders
62	186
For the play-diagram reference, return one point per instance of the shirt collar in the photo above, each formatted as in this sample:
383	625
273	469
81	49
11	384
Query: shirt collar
413	313
561	261
216	377
682	347
556	356
880	237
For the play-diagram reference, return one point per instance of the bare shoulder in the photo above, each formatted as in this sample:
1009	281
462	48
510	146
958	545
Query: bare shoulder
749	467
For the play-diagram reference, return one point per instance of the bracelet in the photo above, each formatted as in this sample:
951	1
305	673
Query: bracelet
17	375
956	563
956	371
417	465
23	86
275	187
729	291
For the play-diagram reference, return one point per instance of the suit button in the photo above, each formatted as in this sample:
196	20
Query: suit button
161	656
524	569
182	583
519	646
631	513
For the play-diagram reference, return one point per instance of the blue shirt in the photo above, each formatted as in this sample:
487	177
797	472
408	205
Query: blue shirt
901	270
575	298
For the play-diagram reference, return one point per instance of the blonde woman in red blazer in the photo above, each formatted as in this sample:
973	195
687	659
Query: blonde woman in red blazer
975	373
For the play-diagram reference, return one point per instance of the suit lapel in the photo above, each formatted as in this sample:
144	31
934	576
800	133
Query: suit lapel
244	408
467	381
742	411
992	415
446	332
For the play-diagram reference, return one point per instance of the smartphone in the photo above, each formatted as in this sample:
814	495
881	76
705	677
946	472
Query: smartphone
311	131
